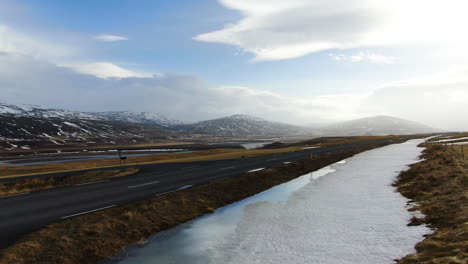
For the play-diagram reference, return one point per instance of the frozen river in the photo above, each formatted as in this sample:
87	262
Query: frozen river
345	213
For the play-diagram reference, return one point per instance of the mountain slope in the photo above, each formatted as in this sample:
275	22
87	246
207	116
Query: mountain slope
376	125
29	132
241	125
124	116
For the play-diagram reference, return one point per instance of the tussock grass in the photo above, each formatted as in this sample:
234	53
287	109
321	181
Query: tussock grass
439	185
35	184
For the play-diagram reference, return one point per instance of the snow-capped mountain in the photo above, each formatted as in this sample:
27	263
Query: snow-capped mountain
376	125
30	127
241	125
142	117
37	111
125	116
30	132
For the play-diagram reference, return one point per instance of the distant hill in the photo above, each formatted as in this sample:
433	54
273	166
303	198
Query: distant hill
376	125
241	125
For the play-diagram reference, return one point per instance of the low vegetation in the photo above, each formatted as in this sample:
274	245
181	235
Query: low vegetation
42	183
94	237
439	187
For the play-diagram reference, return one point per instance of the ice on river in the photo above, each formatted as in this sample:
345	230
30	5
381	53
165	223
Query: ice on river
344	213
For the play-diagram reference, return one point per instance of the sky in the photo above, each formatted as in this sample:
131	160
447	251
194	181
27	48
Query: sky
305	62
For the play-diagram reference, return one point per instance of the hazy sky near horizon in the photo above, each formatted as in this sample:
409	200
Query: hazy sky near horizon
295	61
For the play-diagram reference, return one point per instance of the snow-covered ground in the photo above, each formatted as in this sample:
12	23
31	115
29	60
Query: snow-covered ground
254	145
345	213
452	139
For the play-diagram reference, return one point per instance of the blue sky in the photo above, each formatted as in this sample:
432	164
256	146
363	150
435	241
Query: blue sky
300	61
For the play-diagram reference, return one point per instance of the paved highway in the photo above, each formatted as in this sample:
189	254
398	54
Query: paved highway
23	213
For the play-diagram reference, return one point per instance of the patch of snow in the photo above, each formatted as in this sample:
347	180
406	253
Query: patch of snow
449	140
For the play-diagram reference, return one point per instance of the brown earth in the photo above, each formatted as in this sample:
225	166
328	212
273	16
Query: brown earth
439	186
94	237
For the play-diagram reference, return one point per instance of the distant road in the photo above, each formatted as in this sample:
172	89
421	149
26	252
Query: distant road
24	213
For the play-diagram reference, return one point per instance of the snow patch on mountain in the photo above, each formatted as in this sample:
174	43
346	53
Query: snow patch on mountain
123	116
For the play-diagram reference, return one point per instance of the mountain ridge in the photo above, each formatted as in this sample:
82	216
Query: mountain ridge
125	116
242	125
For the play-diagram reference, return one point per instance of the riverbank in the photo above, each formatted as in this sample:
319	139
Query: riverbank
94	237
438	185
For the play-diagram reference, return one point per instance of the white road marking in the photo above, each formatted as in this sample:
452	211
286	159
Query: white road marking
176	190
143	184
191	167
287	162
16	194
259	169
87	212
86	183
184	187
227	168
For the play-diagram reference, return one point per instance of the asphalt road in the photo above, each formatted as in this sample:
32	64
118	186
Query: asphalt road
24	213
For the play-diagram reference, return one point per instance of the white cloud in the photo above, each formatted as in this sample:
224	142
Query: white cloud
364	57
12	41
105	70
110	38
277	29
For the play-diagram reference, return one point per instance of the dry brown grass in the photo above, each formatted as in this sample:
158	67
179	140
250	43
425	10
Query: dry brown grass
439	186
94	237
215	154
330	141
35	184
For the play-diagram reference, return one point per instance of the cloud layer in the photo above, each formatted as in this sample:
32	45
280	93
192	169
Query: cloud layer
277	29
105	70
14	42
24	79
110	38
